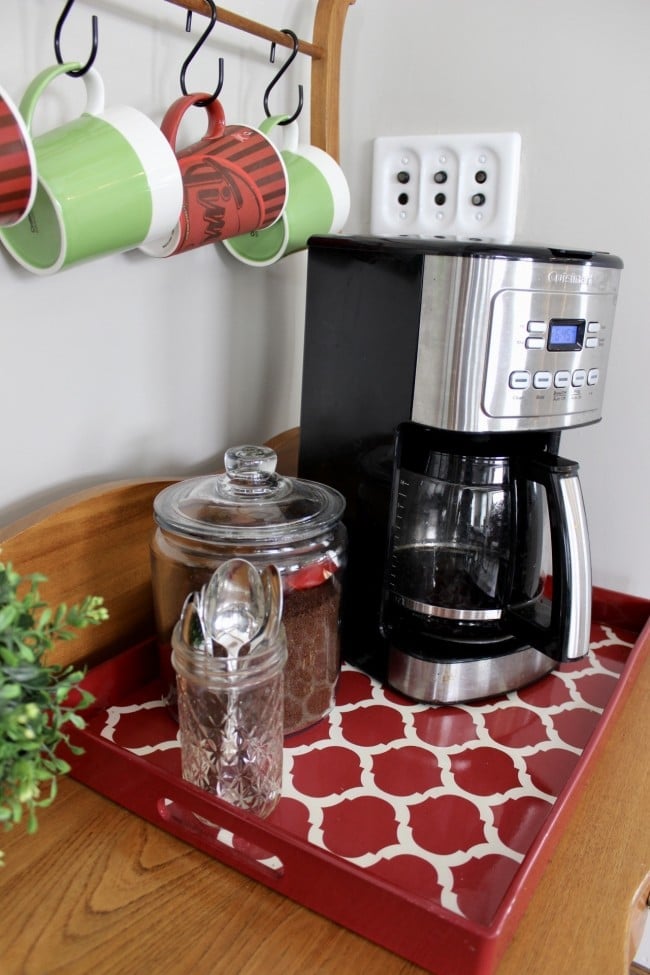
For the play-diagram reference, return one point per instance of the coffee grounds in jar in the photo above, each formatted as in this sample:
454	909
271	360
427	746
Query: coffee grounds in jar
311	620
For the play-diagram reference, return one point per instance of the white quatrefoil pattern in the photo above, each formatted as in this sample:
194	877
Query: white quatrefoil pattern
442	802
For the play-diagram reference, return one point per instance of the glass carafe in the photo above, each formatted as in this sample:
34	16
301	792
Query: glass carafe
465	564
454	539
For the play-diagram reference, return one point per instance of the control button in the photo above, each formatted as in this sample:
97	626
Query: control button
591	342
535	343
562	379
593	327
593	376
537	328
519	379
579	378
542	380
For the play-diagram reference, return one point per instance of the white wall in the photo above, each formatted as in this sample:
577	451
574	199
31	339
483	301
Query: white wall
131	366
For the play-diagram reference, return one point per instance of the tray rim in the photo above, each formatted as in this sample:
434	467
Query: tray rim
483	944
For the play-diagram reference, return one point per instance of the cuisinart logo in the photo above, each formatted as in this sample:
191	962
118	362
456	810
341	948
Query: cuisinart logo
570	277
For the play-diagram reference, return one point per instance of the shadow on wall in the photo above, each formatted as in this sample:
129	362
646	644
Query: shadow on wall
32	503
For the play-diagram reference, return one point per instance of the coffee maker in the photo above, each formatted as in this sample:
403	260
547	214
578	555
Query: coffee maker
438	376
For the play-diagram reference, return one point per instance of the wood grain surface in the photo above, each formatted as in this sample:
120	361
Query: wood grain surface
92	543
98	890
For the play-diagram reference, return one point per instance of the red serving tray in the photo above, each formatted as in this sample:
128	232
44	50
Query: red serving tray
423	828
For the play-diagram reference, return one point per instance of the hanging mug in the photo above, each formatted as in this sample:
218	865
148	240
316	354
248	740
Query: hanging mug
107	182
234	180
318	203
17	164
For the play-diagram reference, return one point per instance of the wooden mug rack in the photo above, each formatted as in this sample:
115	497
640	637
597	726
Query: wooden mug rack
324	49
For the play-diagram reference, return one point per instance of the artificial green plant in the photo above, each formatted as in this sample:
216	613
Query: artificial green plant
36	706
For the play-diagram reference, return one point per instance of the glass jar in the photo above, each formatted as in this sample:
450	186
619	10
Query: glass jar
254	513
230	715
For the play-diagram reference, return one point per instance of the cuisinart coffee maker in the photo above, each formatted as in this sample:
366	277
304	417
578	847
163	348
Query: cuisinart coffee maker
438	376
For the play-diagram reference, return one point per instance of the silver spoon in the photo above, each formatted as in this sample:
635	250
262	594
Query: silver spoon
234	611
192	631
272	582
233	606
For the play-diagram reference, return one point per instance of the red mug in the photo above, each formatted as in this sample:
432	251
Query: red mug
18	180
234	180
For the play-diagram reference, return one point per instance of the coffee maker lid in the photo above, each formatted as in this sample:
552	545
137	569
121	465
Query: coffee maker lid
474	247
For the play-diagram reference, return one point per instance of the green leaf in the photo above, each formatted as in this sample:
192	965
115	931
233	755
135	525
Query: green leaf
7	616
36	704
77	720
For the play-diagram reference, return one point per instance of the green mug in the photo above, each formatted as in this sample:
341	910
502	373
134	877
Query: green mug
318	202
108	181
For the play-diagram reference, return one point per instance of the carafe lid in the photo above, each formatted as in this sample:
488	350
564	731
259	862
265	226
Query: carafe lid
249	503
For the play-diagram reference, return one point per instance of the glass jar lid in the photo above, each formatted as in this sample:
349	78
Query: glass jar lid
249	503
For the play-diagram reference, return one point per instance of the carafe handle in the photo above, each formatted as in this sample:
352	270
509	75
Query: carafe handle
559	626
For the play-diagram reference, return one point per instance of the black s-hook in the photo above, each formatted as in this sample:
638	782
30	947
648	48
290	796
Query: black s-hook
199	44
57	42
284	67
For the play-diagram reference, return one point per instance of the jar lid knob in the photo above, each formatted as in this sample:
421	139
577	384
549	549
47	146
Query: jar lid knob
250	468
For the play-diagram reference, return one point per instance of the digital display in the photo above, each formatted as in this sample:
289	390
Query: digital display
565	334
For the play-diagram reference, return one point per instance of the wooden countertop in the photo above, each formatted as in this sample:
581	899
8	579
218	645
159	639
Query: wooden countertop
96	889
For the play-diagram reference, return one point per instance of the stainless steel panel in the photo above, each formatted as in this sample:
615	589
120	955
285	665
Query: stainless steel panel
447	612
450	682
477	372
579	583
